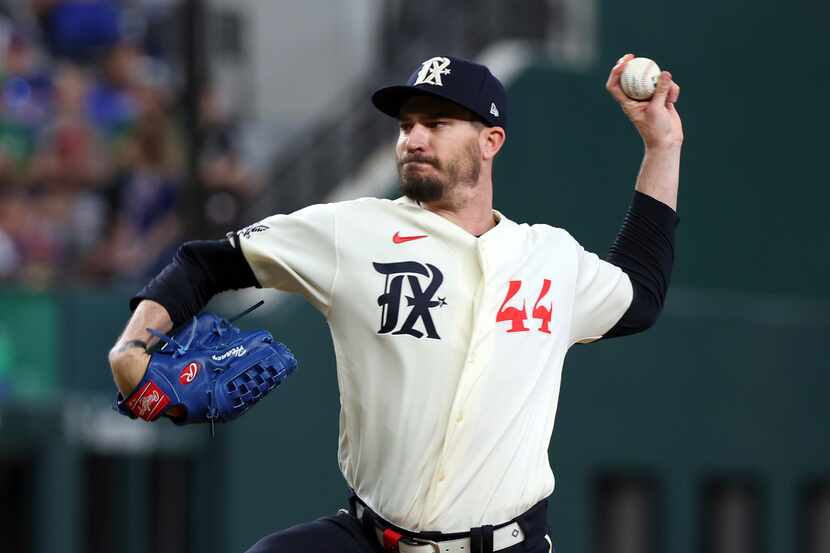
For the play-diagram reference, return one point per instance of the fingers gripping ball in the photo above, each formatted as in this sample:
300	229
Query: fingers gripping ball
639	78
211	368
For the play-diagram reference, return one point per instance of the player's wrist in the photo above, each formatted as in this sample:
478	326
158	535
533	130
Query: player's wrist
125	350
134	344
663	145
128	366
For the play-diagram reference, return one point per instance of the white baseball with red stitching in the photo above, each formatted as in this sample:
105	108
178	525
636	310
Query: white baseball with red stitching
639	78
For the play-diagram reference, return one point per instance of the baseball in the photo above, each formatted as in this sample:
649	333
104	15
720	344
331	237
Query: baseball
639	78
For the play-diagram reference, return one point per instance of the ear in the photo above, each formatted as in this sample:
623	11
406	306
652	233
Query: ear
490	140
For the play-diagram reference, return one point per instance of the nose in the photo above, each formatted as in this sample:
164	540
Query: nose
417	138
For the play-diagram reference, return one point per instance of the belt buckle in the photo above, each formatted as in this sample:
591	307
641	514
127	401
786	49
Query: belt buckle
417	541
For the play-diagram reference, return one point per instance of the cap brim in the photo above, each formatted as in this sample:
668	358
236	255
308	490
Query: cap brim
391	99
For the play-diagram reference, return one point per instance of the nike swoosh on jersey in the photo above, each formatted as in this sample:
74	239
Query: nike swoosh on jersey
398	239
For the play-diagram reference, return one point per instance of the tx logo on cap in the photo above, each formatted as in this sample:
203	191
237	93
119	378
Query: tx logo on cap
431	71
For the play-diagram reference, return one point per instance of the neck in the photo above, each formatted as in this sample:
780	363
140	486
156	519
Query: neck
470	208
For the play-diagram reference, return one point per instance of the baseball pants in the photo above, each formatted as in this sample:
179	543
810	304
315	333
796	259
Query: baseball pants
345	533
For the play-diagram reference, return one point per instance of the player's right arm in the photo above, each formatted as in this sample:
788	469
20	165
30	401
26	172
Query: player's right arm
659	125
644	248
198	271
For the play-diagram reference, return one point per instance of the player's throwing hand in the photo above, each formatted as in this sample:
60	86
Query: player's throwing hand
657	119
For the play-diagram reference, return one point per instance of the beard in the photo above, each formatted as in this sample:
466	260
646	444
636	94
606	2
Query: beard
421	187
438	184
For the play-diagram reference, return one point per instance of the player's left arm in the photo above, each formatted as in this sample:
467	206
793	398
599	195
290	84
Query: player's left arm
644	248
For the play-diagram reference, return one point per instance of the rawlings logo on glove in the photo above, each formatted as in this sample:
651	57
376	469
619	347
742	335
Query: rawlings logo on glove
212	369
238	351
189	372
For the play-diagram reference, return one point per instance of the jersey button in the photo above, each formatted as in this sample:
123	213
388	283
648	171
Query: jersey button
459	418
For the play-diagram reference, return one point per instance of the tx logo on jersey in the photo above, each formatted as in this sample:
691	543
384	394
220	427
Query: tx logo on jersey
431	71
419	301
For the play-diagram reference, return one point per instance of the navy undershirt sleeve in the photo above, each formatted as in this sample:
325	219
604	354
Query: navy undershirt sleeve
644	249
198	271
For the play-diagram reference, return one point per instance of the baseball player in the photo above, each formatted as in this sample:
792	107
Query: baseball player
450	322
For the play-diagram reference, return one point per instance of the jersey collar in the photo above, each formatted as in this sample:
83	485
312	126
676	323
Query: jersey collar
503	224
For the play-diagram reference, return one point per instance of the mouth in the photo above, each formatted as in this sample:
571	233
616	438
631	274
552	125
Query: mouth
417	162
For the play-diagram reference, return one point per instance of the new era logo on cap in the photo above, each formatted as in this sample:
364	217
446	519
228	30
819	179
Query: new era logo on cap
468	84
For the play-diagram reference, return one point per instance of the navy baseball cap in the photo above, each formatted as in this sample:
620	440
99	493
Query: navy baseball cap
468	84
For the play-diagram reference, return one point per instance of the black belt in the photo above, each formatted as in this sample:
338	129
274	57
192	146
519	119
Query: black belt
484	539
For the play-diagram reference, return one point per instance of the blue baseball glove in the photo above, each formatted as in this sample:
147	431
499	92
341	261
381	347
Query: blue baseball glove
215	371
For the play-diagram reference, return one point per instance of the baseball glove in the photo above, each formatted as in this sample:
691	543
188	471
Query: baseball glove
214	370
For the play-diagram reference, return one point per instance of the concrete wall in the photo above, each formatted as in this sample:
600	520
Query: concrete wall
303	54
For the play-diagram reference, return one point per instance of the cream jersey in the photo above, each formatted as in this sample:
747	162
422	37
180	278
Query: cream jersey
449	348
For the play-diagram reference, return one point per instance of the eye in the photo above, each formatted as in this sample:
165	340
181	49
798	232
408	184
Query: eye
405	126
437	124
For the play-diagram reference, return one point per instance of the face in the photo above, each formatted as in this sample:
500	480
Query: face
438	149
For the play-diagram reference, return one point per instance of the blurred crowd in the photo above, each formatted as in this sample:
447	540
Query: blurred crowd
93	167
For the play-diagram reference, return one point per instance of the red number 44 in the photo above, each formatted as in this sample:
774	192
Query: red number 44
517	317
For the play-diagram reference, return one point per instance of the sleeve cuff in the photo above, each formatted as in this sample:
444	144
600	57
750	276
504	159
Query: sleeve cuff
661	215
